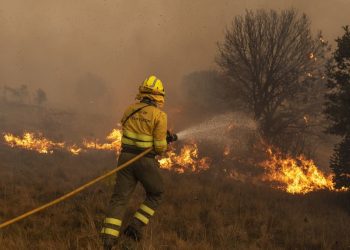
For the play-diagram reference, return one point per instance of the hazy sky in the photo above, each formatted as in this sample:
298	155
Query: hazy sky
53	44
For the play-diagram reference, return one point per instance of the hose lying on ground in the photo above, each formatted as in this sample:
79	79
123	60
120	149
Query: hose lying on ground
74	192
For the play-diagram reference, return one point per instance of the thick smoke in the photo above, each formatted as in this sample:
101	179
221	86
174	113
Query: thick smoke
55	44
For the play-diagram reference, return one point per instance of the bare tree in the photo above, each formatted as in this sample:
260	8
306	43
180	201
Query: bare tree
273	62
40	97
201	94
23	91
11	94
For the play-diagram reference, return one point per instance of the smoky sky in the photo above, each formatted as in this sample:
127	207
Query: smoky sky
54	44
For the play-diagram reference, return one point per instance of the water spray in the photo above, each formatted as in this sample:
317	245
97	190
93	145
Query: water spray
216	128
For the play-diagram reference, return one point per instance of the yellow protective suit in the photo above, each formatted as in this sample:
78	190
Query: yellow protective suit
145	128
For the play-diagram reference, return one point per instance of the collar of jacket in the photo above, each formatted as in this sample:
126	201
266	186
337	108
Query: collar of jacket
149	101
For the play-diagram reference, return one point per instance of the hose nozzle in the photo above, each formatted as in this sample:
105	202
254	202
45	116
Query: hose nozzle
170	137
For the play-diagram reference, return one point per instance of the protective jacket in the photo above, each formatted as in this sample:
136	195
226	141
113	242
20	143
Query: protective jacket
144	126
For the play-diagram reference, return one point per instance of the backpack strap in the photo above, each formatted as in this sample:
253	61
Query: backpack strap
134	112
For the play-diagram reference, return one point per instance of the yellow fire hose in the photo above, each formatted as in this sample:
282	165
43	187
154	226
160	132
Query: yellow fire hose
74	192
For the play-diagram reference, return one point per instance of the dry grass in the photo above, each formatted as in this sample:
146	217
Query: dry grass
200	211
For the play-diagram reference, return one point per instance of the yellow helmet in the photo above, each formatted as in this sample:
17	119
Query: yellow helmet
152	85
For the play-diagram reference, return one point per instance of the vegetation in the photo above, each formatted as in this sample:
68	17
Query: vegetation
40	97
337	107
206	91
23	95
200	211
274	64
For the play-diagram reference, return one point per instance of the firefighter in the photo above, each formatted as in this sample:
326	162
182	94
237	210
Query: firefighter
144	126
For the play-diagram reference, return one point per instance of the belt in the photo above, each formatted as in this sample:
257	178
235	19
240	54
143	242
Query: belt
135	150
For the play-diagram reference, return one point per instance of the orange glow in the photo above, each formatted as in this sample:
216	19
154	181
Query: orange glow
33	142
75	150
296	175
227	150
114	143
306	119
187	161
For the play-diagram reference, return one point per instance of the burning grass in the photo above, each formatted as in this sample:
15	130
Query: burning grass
37	142
113	138
33	142
187	160
295	175
200	210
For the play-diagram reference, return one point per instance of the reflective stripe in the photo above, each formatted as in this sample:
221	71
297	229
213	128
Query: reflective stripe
161	143
113	221
147	209
139	144
140	137
142	218
110	231
154	82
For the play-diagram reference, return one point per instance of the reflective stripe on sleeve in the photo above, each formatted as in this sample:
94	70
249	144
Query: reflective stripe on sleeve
110	231
113	221
147	209
142	218
161	143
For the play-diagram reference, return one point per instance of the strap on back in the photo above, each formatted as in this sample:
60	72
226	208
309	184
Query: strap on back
134	112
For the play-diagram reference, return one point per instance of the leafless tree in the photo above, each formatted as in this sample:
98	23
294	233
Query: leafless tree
40	97
273	62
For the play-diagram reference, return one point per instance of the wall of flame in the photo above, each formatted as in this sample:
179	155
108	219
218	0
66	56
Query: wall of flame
295	175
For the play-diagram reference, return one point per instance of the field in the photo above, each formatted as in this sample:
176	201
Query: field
206	210
200	211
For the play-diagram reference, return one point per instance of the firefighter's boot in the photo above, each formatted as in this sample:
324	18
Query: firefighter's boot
133	233
110	232
108	242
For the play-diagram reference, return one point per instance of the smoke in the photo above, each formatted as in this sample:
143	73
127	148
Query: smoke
53	44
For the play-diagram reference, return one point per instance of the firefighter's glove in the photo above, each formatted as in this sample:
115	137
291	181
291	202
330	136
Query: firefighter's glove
170	137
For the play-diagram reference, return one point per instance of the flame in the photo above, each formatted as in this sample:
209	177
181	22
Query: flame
322	40
96	145
39	143
306	119
187	161
115	142
227	150
30	141
312	56
115	135
309	74
296	175
75	150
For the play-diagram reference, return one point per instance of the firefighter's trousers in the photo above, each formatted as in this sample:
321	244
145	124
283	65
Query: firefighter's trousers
145	171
